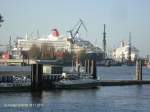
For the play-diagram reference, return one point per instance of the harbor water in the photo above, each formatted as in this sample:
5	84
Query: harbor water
135	98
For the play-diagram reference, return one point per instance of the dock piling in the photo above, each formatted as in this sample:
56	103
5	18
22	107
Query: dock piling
78	69
86	66
39	74
33	72
89	66
78	66
138	70
93	69
37	71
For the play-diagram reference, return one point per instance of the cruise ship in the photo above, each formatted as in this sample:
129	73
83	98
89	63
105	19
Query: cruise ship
59	42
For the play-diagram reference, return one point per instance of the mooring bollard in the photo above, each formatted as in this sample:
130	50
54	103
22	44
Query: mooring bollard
138	70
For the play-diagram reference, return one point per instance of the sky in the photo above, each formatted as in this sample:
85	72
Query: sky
23	17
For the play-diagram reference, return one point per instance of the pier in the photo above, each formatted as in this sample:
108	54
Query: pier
43	74
138	78
122	82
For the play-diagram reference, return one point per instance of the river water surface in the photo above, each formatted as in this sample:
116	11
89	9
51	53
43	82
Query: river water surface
135	98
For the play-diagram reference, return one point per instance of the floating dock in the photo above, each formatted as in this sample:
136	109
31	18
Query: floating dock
40	80
98	83
122	82
10	87
79	84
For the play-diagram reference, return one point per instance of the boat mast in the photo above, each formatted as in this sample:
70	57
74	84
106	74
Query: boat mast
104	41
10	46
38	34
129	52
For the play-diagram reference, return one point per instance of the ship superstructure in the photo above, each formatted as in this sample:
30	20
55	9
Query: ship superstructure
55	40
123	52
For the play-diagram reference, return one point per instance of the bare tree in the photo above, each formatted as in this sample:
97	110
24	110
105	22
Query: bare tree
35	52
67	58
47	51
1	19
82	56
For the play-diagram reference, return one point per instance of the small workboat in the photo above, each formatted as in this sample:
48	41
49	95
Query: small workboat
147	63
74	80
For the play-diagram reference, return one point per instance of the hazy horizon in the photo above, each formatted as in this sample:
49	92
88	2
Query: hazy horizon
120	17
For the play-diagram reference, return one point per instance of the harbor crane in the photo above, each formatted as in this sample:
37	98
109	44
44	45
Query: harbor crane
73	33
